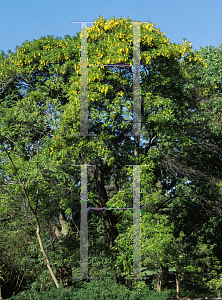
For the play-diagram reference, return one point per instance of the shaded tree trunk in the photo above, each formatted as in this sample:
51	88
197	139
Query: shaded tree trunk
165	277
127	282
110	219
1	292
179	279
159	278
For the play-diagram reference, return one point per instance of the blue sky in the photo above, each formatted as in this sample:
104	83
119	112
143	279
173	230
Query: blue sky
199	21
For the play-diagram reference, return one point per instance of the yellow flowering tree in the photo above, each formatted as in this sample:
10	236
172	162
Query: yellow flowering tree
40	105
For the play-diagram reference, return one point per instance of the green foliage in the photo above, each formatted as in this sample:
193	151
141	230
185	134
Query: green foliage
211	74
13	247
1	277
101	289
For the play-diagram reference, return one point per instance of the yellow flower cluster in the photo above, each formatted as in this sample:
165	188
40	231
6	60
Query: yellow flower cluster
100	26
149	40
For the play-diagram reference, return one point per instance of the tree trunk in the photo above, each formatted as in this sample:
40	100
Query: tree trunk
128	283
110	219
37	222
1	293
44	253
165	277
177	287
159	278
179	278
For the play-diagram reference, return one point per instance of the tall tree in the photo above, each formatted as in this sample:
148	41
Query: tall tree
41	147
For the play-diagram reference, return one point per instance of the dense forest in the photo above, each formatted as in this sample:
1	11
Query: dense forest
46	163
